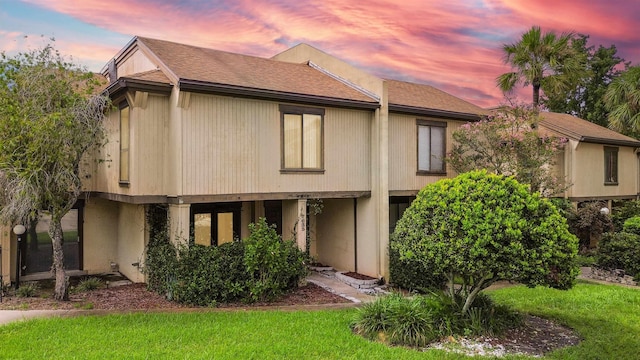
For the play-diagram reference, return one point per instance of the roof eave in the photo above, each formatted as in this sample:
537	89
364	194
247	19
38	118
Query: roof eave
124	84
264	94
413	110
596	140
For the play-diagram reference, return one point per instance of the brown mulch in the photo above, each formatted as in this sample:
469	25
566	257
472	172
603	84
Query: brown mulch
358	276
137	297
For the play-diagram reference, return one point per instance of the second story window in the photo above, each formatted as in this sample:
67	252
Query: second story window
610	165
124	143
431	146
302	138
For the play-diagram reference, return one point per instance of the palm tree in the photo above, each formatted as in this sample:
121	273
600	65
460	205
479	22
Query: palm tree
545	61
622	100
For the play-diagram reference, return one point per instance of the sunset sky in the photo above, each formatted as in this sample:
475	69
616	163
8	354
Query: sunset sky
453	45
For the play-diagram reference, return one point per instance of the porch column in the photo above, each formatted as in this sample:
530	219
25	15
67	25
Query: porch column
179	217
301	226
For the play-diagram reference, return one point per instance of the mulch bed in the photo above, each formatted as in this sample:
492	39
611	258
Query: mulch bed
137	297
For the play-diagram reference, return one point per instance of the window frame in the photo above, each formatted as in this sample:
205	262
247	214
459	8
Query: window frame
213	209
124	180
301	110
610	153
430	124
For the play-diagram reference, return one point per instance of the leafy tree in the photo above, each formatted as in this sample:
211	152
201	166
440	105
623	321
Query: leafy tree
509	143
544	61
586	99
479	228
49	119
588	223
622	99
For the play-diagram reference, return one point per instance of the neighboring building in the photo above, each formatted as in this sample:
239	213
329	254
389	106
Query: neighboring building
223	139
598	163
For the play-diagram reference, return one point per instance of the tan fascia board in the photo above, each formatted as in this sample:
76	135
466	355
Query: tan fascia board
341	70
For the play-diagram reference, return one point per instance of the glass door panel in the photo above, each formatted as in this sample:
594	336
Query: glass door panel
225	227
202	229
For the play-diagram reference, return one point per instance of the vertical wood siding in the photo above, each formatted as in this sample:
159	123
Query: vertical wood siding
403	152
588	172
148	150
232	146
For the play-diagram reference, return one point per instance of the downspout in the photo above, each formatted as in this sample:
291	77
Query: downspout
355	235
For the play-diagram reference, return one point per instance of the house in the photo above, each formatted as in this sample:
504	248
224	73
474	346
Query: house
599	163
222	139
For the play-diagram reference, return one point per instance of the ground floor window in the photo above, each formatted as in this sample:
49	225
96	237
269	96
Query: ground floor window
215	224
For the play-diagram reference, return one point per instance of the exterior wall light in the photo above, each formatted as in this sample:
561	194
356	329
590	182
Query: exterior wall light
19	230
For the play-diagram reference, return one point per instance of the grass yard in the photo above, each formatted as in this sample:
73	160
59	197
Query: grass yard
608	318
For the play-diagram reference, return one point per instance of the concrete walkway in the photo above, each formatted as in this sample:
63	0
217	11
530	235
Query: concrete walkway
8	316
336	286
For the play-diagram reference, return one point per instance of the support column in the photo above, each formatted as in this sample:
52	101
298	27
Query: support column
5	255
301	225
179	218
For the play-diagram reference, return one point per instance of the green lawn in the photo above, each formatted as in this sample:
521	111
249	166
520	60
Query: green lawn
607	317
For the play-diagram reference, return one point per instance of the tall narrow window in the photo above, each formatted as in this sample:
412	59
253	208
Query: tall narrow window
431	146
302	137
610	165
124	144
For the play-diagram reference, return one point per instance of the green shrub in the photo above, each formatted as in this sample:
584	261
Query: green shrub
632	225
623	210
207	275
480	228
262	267
421	319
620	251
273	265
89	284
412	274
28	289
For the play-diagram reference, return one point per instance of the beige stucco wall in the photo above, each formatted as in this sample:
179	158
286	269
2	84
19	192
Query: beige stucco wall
403	153
335	234
131	241
369	250
100	240
585	167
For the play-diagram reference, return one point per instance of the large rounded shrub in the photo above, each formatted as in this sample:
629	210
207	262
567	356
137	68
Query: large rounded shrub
478	228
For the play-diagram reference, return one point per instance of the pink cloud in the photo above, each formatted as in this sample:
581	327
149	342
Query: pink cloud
454	45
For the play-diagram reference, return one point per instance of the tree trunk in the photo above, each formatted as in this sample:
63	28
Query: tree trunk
62	282
536	95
